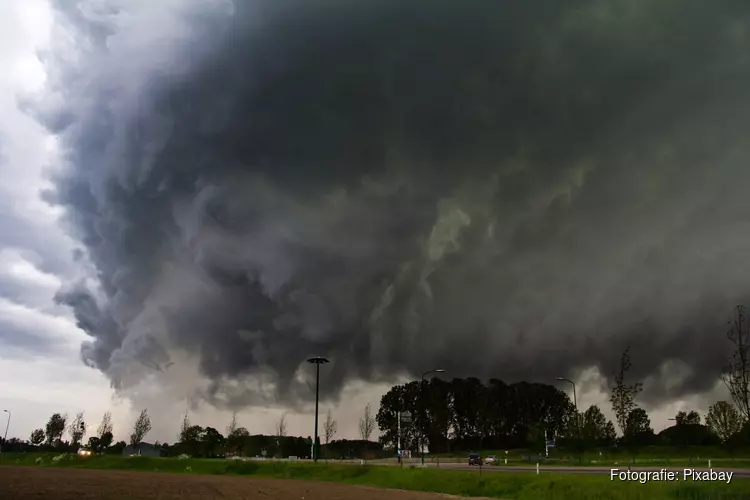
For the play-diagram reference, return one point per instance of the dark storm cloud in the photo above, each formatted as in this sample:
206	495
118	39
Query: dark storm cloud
504	189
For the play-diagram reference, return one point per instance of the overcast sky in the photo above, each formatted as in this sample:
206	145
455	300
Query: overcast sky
41	371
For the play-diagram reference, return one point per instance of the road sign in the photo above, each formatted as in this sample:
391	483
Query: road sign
406	417
551	443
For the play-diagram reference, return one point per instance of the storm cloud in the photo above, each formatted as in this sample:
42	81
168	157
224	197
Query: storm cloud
502	189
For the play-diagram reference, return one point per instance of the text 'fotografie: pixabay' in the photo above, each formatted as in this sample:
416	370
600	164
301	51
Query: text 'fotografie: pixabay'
668	475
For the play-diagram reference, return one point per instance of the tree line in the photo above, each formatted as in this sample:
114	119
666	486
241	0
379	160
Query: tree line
457	415
465	413
198	441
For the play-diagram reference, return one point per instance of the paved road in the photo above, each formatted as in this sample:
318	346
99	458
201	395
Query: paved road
737	472
582	470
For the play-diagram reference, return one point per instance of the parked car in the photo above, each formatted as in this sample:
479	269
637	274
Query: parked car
475	459
492	459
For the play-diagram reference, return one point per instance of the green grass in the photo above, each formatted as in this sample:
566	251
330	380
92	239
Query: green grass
517	486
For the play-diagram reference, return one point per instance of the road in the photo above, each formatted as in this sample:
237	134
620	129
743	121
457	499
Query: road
745	473
560	469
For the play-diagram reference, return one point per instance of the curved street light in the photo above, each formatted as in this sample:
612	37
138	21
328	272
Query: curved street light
317	361
575	403
421	404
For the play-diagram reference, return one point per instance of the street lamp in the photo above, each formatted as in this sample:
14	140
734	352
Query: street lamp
421	404
5	437
575	403
317	361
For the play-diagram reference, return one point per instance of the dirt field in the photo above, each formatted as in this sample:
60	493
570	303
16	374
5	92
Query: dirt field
63	484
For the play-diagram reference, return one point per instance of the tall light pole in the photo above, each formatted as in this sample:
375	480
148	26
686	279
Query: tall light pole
317	361
421	404
5	437
578	418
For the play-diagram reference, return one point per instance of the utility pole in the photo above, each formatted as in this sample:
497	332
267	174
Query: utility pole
317	361
421	405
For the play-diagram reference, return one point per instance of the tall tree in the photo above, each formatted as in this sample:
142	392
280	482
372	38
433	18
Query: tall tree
623	395
105	425
596	428
55	428
211	442
736	373
281	426
232	427
37	437
77	429
366	423
184	428
398	399
329	427
638	425
724	420
236	439
105	441
141	427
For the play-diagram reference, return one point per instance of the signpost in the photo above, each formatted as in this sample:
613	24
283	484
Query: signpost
404	417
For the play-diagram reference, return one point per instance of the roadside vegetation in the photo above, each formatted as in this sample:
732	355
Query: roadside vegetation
521	486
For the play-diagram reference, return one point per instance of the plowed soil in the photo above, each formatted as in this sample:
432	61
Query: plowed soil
62	484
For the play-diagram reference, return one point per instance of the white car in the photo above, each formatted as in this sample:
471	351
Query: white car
491	459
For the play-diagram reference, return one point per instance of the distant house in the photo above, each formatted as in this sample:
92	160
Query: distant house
144	450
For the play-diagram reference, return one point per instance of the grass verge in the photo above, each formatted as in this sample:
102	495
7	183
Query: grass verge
511	486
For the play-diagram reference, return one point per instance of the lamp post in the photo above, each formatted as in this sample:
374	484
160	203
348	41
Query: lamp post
5	437
317	361
578	419
421	404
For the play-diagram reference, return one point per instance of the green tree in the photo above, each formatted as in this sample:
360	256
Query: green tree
237	439
211	442
94	444
638	427
623	395
684	418
105	441
596	429
141	427
37	437
77	429
724	420
55	428
184	429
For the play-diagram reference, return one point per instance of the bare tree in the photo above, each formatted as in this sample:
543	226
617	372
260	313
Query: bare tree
77	429
329	427
232	427
105	425
281	426
623	396
141	427
367	423
736	374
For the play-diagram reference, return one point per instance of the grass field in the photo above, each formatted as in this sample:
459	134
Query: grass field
518	486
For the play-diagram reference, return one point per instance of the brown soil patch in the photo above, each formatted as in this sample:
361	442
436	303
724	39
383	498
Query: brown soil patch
22	483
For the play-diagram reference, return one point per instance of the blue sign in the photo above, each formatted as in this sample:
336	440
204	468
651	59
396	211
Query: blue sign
551	444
